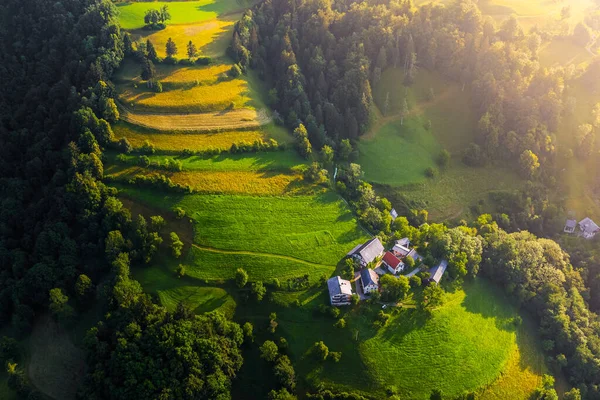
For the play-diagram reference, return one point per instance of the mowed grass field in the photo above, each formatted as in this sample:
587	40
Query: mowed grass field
319	229
182	12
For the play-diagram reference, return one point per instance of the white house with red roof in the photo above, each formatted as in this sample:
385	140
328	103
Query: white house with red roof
393	263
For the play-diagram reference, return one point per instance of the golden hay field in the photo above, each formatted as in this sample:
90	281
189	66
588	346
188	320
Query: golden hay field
211	38
181	141
196	98
259	183
226	120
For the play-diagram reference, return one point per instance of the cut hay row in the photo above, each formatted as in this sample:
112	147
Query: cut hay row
257	183
227	94
198	122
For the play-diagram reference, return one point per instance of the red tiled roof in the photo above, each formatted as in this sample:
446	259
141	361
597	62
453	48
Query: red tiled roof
391	260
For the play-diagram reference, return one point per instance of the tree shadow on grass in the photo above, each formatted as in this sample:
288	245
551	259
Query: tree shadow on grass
484	298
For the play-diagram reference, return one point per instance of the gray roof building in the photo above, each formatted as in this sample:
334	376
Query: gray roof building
438	272
369	277
368	251
340	290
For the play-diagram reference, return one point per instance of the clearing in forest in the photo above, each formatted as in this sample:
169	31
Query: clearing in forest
396	155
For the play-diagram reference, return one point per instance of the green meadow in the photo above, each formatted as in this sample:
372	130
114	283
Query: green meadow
182	12
319	229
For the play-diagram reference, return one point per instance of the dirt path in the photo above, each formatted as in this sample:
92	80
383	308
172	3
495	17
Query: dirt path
200	122
251	253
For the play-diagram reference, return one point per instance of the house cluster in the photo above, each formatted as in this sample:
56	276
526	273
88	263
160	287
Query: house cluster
585	228
374	261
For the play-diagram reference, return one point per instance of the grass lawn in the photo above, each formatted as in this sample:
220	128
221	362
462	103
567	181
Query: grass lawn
182	12
398	154
318	229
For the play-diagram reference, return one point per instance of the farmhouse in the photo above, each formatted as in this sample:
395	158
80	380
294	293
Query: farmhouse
570	226
438	272
393	264
588	228
340	291
401	249
367	252
369	280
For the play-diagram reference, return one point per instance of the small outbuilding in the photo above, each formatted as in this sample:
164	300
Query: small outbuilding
438	271
570	226
340	291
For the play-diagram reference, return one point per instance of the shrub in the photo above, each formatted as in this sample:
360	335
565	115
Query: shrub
169	60
180	270
443	158
320	351
241	278
335	356
144	161
203	60
234	71
176	245
185	61
269	351
415	281
430	172
341	323
147	148
124	146
179	212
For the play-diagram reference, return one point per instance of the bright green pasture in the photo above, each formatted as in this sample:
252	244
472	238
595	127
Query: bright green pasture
161	281
319	229
220	266
184	12
398	154
263	161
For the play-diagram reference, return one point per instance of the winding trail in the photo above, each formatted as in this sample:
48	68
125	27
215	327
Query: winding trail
251	253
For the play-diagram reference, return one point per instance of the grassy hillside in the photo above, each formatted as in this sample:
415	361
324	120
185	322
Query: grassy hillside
395	156
319	229
466	345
